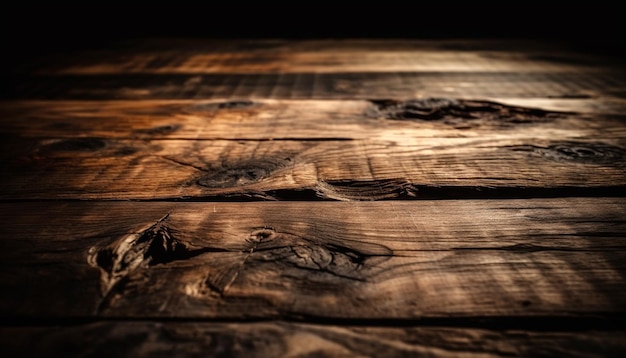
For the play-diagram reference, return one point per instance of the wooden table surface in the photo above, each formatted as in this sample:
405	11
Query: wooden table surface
292	198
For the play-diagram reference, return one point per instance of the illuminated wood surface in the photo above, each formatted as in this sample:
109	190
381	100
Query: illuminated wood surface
298	198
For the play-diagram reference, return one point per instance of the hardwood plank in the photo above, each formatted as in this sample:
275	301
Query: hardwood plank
311	119
543	258
281	339
387	168
313	85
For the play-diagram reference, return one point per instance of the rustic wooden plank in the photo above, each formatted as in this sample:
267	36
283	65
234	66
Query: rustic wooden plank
314	85
281	339
312	119
406	261
474	277
387	168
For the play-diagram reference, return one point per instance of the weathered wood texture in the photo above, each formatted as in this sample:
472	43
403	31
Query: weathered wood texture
114	160
307	149
388	260
155	339
314	119
96	168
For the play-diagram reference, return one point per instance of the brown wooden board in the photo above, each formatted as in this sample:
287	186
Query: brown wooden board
405	261
313	119
281	339
388	168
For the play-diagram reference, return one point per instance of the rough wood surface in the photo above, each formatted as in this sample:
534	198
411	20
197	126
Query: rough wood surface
280	339
111	245
544	258
97	168
313	119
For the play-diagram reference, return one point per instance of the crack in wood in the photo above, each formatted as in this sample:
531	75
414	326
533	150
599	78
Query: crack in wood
179	162
119	261
241	173
256	237
282	252
151	246
409	191
461	114
331	258
358	190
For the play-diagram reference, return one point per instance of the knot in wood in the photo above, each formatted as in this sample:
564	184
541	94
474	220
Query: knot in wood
459	113
261	235
236	174
588	152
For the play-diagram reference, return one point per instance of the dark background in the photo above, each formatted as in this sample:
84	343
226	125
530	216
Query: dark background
30	29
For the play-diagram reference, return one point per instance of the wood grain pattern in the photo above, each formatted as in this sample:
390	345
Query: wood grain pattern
406	261
96	168
315	85
243	198
312	119
280	339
